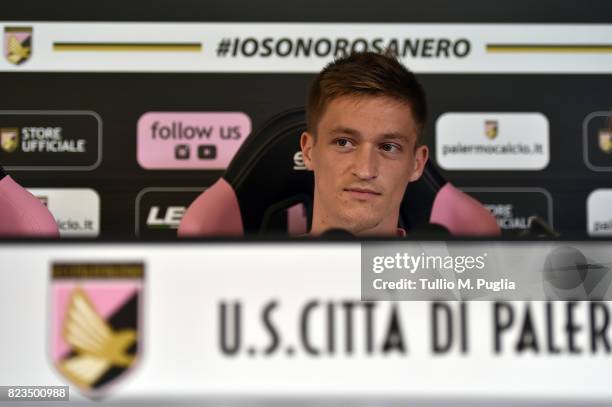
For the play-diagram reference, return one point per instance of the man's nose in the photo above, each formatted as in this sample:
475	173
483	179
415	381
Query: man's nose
365	165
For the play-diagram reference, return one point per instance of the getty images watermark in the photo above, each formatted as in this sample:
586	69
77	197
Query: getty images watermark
413	271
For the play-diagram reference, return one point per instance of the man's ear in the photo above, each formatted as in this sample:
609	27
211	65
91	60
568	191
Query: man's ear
306	143
420	159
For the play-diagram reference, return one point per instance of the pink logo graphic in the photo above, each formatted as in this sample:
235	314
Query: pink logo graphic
95	322
17	44
190	140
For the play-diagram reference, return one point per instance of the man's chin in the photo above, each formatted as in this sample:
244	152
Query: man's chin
360	225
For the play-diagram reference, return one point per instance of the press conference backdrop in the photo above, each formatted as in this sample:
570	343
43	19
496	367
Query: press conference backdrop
118	117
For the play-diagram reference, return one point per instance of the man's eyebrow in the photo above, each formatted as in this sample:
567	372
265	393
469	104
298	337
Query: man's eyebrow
395	136
346	130
341	130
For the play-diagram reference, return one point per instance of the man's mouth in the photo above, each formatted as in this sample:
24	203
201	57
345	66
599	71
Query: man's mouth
362	194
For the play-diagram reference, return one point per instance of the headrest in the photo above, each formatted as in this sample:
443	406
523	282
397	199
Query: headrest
268	174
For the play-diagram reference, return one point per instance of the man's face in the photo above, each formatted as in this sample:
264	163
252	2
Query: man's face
363	157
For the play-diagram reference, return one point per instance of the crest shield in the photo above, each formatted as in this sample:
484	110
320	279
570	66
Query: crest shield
491	129
9	139
96	322
17	44
605	141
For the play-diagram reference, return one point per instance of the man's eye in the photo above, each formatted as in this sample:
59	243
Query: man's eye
389	147
342	142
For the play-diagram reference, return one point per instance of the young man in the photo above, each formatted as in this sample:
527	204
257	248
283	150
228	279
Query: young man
365	116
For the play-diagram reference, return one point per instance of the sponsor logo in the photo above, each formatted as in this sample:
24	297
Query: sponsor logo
96	322
597	141
159	211
39	140
506	219
48	140
170	218
512	207
166	140
491	129
9	139
17	44
298	162
76	210
514	141
599	213
605	140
